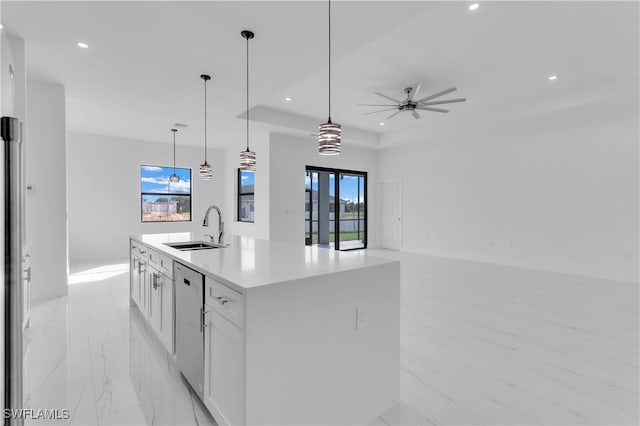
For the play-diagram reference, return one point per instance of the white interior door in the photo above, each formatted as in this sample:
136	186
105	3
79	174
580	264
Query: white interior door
391	214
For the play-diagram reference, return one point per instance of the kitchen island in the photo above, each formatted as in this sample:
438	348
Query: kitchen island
292	334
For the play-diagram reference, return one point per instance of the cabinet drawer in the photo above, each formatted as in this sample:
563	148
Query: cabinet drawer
161	262
227	301
142	251
134	246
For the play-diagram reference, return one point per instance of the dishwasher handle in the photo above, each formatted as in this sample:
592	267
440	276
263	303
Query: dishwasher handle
203	318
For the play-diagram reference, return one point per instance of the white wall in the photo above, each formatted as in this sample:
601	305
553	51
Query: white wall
104	172
46	158
562	200
289	156
260	145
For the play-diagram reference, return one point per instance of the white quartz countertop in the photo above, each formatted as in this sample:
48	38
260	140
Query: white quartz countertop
249	262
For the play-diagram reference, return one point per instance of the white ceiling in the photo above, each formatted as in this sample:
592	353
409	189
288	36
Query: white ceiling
140	74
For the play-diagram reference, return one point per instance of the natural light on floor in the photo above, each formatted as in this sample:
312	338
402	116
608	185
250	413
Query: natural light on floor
99	273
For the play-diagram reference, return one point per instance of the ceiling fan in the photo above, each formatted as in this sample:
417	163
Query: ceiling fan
411	104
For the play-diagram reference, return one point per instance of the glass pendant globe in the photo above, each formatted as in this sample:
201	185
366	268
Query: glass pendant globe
247	160
206	171
329	138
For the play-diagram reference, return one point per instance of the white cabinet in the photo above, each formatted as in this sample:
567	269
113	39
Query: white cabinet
224	346
139	290
223	369
135	279
139	276
155	297
161	307
152	290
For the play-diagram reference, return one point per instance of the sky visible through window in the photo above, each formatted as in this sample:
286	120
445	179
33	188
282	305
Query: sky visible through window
155	179
348	186
248	178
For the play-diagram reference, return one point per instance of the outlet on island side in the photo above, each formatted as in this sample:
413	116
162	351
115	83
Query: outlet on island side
362	317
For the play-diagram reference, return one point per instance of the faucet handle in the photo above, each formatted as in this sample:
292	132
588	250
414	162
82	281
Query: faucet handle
211	237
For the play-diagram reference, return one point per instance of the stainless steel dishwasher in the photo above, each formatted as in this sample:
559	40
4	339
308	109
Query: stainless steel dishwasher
189	326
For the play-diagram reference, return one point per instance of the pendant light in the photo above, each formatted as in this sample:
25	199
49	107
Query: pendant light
206	171
174	177
329	135
247	157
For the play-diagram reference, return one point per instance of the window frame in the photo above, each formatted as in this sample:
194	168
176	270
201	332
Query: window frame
239	196
337	173
167	194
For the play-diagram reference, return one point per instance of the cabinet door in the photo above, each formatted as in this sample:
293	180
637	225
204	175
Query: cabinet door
166	312
155	298
135	279
143	288
224	369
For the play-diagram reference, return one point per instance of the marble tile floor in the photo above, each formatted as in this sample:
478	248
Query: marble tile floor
91	353
480	344
491	344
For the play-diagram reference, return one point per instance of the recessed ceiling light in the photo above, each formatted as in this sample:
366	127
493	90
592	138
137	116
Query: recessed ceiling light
381	123
553	77
1	26
287	99
474	6
83	45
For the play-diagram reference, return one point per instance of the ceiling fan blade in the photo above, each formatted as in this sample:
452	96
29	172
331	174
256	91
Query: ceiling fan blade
432	109
414	92
382	110
389	105
387	97
435	95
448	101
394	114
415	114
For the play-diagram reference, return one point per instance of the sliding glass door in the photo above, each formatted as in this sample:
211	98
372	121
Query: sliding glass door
352	211
336	208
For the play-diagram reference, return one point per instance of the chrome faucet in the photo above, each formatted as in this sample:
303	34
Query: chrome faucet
205	222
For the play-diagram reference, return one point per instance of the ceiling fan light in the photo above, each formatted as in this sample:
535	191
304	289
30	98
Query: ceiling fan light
248	160
329	138
206	171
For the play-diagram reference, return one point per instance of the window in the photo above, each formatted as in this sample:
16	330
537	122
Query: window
246	182
161	200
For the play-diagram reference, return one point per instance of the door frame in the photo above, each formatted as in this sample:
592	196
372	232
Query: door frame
336	225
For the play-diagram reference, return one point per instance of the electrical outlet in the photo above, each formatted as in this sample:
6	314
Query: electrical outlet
362	317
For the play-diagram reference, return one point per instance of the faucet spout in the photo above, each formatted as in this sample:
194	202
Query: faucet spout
205	222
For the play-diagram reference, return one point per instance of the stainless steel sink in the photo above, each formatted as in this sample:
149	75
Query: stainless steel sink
194	245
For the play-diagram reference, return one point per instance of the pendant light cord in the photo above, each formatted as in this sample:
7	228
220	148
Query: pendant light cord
329	61
174	150
247	93
205	121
